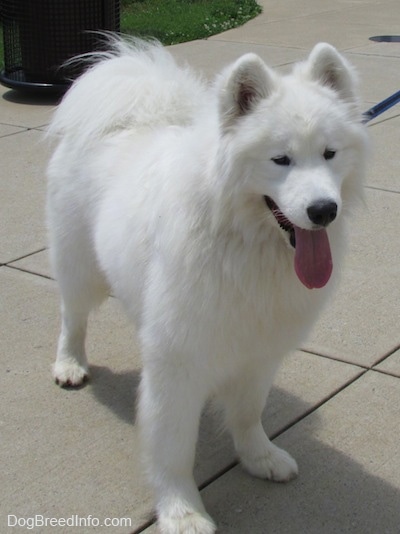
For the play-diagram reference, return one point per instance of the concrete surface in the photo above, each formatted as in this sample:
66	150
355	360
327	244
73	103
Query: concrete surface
336	403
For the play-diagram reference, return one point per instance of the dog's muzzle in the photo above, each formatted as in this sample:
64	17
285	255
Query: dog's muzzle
312	260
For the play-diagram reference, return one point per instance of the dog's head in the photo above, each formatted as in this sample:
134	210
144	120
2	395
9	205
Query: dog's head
299	146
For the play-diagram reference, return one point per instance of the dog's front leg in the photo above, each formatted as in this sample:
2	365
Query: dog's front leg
243	401
171	400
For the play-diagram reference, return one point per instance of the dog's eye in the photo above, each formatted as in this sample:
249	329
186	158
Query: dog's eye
282	160
329	154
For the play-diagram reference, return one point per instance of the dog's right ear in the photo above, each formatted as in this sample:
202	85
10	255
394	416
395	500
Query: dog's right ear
242	86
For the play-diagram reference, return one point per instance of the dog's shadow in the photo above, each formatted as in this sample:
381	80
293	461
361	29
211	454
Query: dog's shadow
117	391
343	483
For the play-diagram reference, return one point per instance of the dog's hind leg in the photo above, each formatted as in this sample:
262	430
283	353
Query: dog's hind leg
170	405
71	367
243	401
82	288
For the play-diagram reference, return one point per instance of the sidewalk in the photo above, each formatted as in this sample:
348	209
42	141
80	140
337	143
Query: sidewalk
336	403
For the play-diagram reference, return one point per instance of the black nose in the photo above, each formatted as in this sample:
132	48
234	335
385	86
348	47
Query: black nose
322	212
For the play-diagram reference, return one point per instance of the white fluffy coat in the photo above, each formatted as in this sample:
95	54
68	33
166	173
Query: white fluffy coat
157	193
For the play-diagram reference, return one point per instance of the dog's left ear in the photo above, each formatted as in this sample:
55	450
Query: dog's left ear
242	86
326	66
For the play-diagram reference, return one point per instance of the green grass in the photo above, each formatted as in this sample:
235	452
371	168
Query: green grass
177	21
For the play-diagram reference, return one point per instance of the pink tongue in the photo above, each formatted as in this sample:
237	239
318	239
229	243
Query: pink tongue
313	260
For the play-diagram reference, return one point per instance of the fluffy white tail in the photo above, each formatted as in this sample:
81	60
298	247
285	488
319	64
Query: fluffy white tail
135	85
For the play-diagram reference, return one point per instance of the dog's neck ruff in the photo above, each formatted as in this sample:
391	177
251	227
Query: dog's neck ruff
313	259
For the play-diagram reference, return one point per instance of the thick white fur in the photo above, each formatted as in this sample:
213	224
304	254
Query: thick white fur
156	194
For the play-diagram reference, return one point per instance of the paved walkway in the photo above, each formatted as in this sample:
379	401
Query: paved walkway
336	404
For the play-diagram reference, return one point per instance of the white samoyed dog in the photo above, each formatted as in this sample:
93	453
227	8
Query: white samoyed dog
216	214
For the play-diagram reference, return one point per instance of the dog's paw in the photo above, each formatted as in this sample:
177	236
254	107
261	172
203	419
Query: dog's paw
275	464
69	373
190	523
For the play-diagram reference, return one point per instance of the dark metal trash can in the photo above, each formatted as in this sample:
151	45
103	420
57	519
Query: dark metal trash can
40	35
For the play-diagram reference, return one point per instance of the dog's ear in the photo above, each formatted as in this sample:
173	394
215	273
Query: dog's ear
242	87
326	66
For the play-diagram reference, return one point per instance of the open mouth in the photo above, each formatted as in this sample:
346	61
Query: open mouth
281	219
313	259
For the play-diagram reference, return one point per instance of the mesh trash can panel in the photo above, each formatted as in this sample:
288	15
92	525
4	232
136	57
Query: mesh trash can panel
40	35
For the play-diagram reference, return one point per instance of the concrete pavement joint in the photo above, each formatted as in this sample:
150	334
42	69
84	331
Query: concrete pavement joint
384	357
335	358
372	124
23	130
145	526
382	189
25	256
22	270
